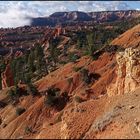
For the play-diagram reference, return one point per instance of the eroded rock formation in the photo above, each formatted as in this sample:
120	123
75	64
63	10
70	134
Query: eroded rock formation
7	77
128	73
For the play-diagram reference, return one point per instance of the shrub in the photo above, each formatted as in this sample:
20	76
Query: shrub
78	99
76	69
14	93
89	77
19	111
28	130
95	56
24	67
63	62
31	89
113	49
73	57
90	46
52	96
54	52
85	76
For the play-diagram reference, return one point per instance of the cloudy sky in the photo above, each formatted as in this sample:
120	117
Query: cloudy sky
15	13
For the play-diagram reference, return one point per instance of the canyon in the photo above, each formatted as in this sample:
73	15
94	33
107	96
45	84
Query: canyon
81	96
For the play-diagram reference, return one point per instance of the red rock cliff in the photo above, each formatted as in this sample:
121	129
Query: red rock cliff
7	77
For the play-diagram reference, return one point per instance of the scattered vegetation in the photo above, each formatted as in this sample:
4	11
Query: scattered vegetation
15	93
62	62
90	46
29	66
52	96
89	77
114	49
73	57
81	39
20	111
78	99
85	76
31	89
2	64
28	130
2	68
76	69
32	65
54	51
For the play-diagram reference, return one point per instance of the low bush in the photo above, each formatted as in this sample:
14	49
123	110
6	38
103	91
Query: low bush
52	95
20	111
89	77
78	99
63	62
14	93
73	57
28	130
85	75
31	89
76	69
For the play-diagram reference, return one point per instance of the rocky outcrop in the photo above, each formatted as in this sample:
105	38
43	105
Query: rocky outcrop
128	73
18	53
64	131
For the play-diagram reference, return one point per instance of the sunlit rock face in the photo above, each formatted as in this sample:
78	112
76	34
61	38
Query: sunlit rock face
128	72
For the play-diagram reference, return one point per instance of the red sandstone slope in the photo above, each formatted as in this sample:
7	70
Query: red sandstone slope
36	107
7	77
130	38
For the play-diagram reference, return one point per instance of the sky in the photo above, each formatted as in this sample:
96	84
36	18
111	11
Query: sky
16	13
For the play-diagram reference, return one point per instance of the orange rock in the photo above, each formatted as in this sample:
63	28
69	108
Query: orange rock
128	74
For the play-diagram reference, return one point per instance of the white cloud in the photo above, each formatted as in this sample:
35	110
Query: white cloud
15	13
13	17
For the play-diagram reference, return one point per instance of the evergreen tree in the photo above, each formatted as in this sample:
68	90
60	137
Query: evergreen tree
90	43
31	62
31	89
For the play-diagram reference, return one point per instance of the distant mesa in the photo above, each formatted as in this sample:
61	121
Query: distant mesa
77	16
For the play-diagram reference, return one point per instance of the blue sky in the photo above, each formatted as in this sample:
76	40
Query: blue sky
15	13
133	4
